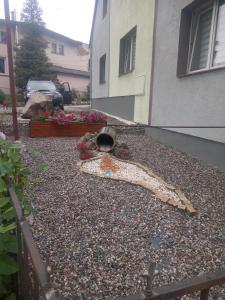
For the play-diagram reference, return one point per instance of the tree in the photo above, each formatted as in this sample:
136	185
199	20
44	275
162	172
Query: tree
32	13
31	60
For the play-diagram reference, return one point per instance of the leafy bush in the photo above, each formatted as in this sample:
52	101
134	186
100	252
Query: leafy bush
12	171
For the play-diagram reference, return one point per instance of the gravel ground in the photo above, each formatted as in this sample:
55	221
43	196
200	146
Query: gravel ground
98	235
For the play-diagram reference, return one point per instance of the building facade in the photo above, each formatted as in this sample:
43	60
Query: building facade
70	58
188	87
173	78
122	57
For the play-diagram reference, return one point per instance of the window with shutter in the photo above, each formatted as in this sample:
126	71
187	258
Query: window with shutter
127	52
202	37
201	42
219	46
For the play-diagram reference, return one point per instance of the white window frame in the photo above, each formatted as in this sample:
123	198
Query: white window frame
194	30
127	63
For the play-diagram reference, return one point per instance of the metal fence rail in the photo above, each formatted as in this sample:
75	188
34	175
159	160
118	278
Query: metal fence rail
201	284
33	279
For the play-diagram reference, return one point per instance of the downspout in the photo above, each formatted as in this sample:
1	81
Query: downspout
91	75
109	58
153	63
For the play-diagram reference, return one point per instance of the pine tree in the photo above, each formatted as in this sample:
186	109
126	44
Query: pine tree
32	13
31	60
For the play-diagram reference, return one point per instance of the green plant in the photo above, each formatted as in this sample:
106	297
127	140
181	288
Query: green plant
12	172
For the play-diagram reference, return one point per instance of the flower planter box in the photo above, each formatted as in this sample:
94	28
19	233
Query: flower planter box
53	129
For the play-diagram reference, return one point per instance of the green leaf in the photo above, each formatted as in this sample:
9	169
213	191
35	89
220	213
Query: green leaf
8	228
36	181
3	186
44	167
8	265
5	168
4	201
11	297
14	146
4	281
9	214
8	243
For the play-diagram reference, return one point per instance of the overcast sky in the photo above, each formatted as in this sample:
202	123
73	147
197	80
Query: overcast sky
72	18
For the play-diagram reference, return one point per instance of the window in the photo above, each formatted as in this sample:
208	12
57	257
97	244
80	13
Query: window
54	48
102	62
104	8
2	37
57	49
61	50
127	52
202	37
2	65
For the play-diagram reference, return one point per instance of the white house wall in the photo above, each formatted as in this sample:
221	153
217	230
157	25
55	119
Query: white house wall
100	46
195	100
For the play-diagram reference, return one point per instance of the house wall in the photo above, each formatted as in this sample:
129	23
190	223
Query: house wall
76	82
100	46
72	58
195	100
118	106
126	14
4	78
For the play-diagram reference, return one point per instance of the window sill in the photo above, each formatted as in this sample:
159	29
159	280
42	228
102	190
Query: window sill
57	53
201	71
122	74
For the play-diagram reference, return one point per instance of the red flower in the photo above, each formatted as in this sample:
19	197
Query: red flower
85	155
45	114
81	146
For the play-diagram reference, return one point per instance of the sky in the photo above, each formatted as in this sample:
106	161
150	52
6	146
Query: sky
72	18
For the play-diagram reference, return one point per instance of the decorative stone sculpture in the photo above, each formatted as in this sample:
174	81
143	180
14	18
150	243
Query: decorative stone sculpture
37	104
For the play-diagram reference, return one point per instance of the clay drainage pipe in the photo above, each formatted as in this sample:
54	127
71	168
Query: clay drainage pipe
106	139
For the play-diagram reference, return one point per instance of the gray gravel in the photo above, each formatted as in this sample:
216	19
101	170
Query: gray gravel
97	235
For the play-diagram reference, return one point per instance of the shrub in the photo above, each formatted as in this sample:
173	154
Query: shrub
12	171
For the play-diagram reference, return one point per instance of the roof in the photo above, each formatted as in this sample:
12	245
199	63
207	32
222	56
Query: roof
93	22
50	33
71	71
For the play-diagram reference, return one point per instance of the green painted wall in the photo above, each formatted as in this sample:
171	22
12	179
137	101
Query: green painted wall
124	15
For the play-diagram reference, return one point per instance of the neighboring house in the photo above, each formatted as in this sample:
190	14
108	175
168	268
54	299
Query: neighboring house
175	76
70	58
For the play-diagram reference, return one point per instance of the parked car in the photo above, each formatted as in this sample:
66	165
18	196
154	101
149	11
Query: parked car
59	97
